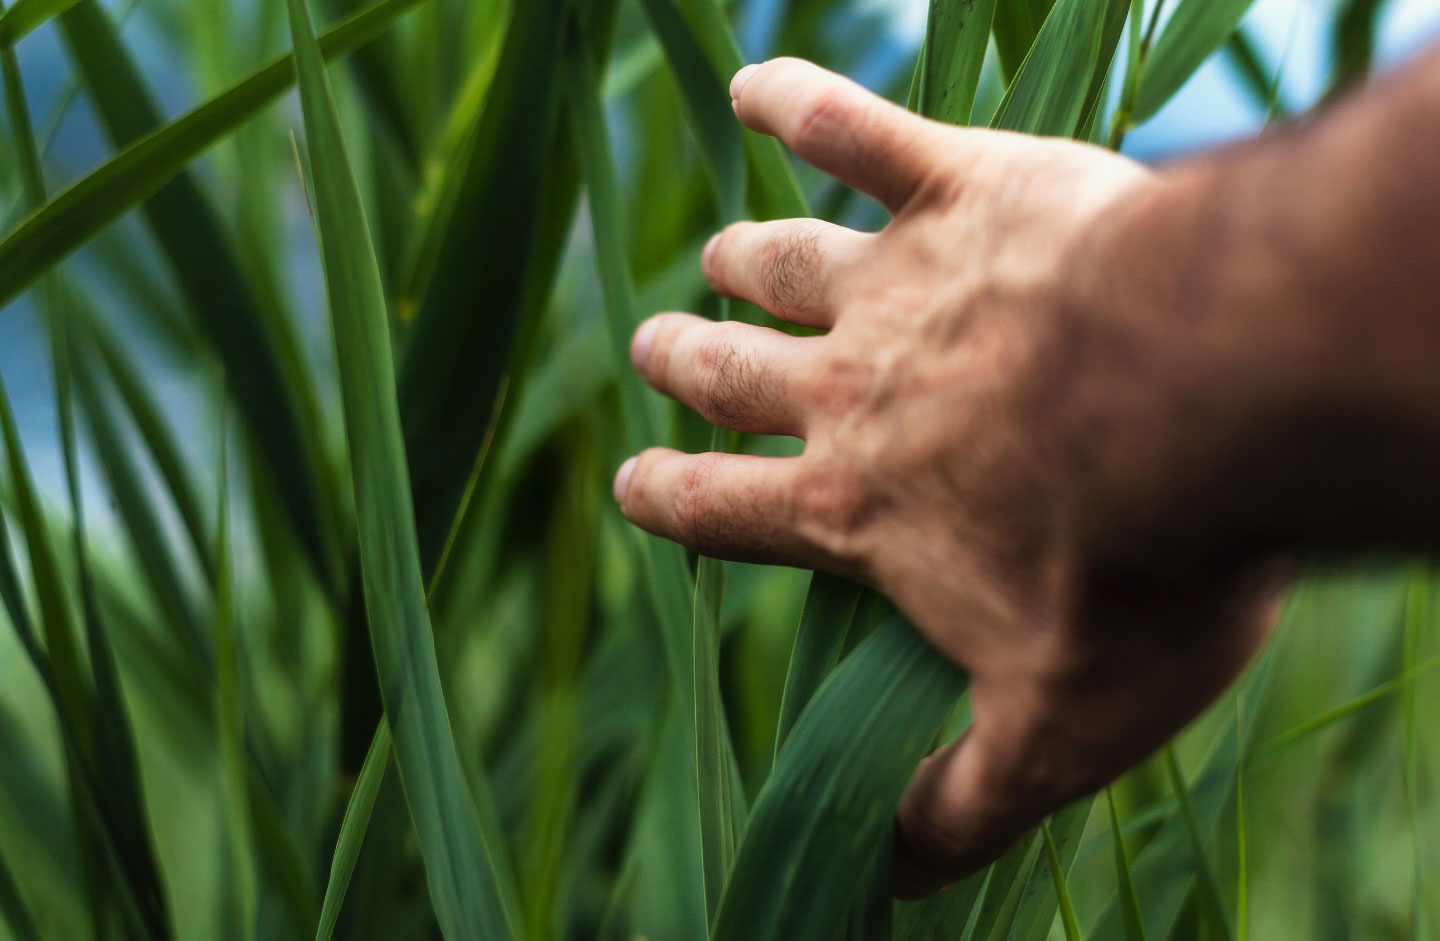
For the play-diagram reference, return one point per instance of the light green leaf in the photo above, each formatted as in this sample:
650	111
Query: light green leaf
1195	30
353	827
1057	82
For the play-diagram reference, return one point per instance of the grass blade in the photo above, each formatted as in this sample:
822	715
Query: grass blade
1017	23
460	864
1129	904
229	712
26	15
1062	892
1061	838
1195	30
956	36
825	622
1058	81
13	908
352	829
830	803
718	133
141	168
477	268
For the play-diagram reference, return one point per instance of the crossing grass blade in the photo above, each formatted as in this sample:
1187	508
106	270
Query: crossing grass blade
352	829
1195	29
829	805
154	431
141	168
26	15
153	550
93	712
1062	892
1047	888
1005	888
460	859
1017	23
1129	904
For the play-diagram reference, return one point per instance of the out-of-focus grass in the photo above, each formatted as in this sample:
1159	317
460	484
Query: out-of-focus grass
397	553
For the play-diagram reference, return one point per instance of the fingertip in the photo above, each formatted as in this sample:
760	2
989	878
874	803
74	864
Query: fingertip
707	258
737	84
622	480
643	342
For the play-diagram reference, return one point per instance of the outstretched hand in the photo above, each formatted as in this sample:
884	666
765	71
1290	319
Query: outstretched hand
980	445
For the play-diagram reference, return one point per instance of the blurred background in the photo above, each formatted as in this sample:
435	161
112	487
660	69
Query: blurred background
549	657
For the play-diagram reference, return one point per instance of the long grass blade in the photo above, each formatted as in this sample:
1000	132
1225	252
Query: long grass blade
352	829
460	859
141	168
1129	904
830	803
1062	891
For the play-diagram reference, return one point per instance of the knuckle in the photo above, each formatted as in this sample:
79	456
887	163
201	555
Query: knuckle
789	269
835	507
692	508
821	115
719	368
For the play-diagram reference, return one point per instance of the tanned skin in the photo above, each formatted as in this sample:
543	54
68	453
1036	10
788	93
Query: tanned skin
1072	415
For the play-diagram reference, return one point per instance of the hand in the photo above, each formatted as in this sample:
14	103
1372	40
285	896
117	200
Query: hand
983	443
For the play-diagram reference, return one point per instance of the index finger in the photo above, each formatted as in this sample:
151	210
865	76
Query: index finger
841	128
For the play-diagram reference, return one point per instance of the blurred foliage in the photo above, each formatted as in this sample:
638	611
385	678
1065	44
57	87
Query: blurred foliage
205	547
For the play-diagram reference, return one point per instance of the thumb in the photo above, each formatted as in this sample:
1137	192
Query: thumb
968	802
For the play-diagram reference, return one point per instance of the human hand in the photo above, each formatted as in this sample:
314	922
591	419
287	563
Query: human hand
983	443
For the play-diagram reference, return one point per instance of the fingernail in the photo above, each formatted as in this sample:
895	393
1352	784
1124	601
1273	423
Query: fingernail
707	257
741	77
644	339
622	479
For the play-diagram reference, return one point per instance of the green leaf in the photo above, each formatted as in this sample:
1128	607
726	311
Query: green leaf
229	710
26	15
1057	83
1005	888
243	322
829	805
956	37
460	863
479	262
1047	889
13	908
353	827
1062	892
1017	23
1129	904
707	104
1195	30
825	622
153	548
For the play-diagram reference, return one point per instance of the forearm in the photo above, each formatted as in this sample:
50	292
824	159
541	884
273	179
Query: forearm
1289	294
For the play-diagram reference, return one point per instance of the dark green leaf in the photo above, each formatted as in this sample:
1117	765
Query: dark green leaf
460	859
